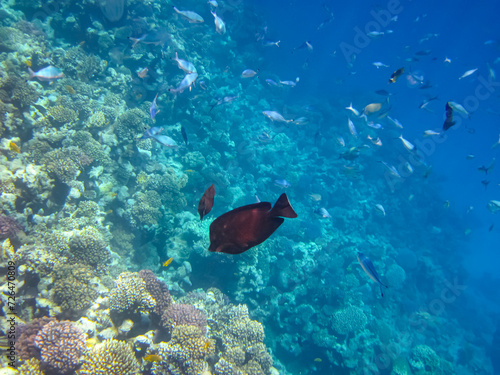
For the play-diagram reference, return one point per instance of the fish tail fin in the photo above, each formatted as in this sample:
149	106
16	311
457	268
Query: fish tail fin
135	40
32	73
283	208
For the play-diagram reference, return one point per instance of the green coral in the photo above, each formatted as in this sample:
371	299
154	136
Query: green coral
146	209
130	295
350	319
111	357
62	114
73	289
88	247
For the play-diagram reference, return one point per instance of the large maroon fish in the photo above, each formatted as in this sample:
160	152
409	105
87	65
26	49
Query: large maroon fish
206	202
244	227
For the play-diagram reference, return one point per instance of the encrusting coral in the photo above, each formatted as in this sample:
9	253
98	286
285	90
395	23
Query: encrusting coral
61	346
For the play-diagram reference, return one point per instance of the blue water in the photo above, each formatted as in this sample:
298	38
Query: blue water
436	244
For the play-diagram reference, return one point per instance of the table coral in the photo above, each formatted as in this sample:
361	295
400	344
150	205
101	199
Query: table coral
131	295
111	357
88	247
348	320
180	314
61	345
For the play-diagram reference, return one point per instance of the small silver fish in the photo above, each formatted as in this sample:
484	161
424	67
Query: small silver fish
352	128
49	74
323	213
186	82
192	17
468	73
353	110
184	65
275	116
220	26
249	73
380	208
408	145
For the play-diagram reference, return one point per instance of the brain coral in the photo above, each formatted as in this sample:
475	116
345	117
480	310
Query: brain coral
158	290
348	320
61	346
73	289
180	314
131	295
110	357
88	246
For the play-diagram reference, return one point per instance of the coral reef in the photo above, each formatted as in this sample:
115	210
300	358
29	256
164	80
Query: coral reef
111	357
181	314
31	367
61	346
130	295
350	319
88	247
74	288
9	227
158	290
424	360
26	341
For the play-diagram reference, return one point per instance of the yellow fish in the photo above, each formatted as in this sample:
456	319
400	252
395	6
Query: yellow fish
167	262
14	147
207	345
318	360
28	63
153	358
189	171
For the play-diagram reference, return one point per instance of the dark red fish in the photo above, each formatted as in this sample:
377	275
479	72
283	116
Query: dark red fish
206	201
244	227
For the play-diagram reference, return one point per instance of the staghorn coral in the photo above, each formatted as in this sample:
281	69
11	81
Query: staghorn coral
158	290
348	320
88	247
26	340
180	314
73	289
111	357
31	367
63	115
131	295
185	353
61	345
9	227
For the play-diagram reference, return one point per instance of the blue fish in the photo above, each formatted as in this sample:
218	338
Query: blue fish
153	110
151	132
369	269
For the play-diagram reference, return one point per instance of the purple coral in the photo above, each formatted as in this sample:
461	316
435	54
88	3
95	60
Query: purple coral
26	341
9	227
61	346
158	290
180	314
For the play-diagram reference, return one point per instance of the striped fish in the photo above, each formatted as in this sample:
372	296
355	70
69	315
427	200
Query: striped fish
369	269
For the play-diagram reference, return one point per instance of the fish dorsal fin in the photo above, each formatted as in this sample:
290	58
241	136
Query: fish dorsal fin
283	208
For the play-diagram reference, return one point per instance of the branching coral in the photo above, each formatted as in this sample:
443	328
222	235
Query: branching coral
185	353
88	247
26	340
110	357
131	295
180	314
158	290
61	346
